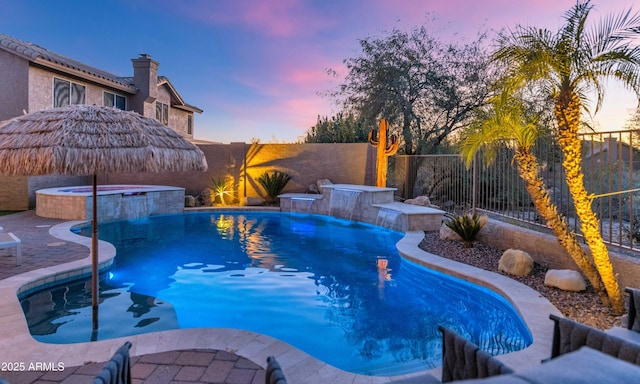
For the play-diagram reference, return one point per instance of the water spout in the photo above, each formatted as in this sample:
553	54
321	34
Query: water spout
134	206
387	218
343	203
304	202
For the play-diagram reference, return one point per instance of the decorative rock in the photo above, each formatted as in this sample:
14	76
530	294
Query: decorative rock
205	198
322	182
313	188
447	233
515	262
422	201
253	201
189	201
565	279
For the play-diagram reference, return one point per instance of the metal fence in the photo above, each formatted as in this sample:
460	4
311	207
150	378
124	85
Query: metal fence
611	166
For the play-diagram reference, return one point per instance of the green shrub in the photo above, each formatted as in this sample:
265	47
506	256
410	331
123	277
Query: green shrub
467	226
273	184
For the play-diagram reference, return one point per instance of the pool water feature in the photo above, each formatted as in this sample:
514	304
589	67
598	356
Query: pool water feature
333	288
343	202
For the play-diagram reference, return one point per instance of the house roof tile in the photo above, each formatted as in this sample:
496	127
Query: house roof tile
42	56
37	54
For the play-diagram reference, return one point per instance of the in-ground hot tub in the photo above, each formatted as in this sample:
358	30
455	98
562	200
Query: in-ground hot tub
115	202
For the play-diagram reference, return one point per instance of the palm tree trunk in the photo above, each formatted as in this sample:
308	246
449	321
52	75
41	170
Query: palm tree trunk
567	110
529	171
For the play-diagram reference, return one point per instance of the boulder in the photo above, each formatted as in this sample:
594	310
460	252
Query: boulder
205	198
312	188
421	201
189	201
447	233
565	279
515	262
322	182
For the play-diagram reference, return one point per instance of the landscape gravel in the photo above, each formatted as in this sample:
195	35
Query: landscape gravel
584	307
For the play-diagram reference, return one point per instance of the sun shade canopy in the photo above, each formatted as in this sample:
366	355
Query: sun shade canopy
89	140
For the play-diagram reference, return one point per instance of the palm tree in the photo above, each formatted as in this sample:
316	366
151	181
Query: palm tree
507	123
569	65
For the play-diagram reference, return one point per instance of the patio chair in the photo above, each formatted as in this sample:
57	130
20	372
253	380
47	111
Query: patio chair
118	369
462	359
631	330
274	372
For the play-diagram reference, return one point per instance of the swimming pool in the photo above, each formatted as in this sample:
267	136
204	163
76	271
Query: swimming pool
333	288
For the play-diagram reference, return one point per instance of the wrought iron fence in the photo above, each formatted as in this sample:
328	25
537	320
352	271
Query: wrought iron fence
611	166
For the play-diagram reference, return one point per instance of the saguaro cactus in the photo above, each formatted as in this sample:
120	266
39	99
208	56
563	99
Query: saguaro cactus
384	150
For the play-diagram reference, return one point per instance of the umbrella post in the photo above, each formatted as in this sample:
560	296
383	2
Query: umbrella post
94	255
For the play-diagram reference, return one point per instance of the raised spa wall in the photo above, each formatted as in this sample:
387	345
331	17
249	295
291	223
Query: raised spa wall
129	202
373	205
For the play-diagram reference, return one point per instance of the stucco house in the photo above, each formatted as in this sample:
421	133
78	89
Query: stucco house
33	78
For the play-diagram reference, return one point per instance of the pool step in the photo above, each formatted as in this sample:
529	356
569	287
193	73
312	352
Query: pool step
409	217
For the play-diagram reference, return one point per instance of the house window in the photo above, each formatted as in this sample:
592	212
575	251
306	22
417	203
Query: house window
113	100
66	93
162	112
190	125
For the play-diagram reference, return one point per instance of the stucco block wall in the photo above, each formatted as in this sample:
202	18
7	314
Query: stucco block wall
545	250
14	193
244	163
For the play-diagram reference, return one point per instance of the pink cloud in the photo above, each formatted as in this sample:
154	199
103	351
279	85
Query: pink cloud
294	42
278	18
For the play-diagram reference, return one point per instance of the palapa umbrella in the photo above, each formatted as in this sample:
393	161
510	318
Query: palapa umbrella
92	140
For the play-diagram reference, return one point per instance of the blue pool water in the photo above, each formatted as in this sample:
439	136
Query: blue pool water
333	288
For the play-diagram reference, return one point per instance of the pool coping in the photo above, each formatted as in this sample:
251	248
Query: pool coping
299	367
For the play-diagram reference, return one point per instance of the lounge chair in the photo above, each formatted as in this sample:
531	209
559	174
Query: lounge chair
118	369
462	359
9	240
274	372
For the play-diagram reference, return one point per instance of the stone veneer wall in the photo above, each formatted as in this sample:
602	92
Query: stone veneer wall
111	206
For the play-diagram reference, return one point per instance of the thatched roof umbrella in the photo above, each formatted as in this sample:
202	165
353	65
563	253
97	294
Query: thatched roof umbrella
92	140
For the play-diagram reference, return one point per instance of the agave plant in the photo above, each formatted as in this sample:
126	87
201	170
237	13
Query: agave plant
221	188
273	184
467	226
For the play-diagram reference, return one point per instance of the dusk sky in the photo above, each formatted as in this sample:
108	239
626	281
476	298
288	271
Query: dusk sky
258	67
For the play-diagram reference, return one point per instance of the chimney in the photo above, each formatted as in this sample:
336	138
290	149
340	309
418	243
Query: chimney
145	79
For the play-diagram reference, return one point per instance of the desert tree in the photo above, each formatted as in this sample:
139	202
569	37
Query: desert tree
570	65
